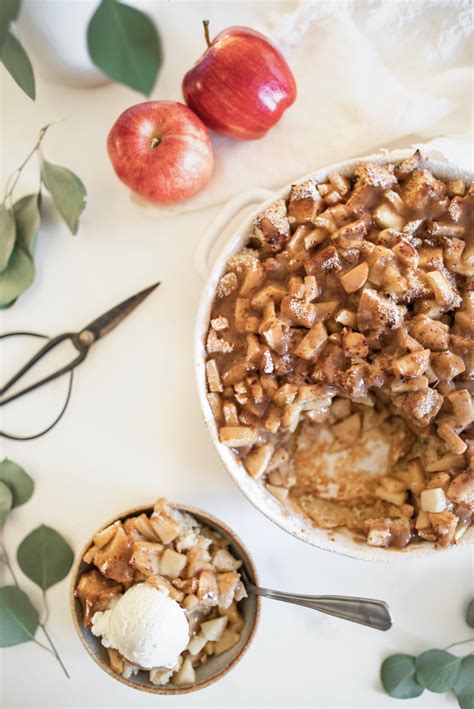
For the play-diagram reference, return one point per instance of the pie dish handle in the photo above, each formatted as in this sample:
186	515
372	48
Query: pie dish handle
218	224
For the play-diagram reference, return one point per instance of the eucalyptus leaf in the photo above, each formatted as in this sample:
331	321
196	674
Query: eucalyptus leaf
27	218
9	10
6	501
464	687
18	617
7	235
45	557
398	677
438	670
17	277
124	43
18	65
67	191
19	482
470	614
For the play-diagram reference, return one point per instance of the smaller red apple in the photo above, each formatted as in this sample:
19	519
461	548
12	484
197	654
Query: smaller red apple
241	85
161	150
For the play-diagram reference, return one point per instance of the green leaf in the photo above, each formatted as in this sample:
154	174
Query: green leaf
124	43
67	191
27	219
19	482
17	277
7	235
6	501
9	10
18	617
45	557
438	670
464	687
398	677
470	614
18	65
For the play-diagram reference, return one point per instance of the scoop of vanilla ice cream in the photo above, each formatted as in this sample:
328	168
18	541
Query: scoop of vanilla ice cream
145	626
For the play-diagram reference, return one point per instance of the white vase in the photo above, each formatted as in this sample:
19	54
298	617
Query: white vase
54	33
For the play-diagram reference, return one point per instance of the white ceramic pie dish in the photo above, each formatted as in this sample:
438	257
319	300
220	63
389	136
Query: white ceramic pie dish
286	517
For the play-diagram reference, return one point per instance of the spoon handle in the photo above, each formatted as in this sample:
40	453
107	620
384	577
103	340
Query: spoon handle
366	611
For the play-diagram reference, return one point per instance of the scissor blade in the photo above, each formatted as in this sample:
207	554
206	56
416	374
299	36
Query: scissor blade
106	322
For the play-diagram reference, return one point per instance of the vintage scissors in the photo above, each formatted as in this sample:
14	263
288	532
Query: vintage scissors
82	341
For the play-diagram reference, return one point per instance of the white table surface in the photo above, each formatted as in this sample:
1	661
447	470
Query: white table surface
134	432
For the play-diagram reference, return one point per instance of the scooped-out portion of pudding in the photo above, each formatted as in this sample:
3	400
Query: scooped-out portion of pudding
340	353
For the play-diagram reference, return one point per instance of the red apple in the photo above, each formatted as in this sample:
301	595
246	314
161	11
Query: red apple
161	150
241	85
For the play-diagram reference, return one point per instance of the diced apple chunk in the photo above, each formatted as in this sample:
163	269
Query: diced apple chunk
212	629
423	520
392	484
395	498
213	377
281	493
444	292
412	365
444	524
346	317
164	585
450	437
185	675
237	436
197	643
433	500
146	557
227	583
172	564
224	561
165	527
387	218
208	591
106	535
228	639
354	279
379	534
461	490
257	460
313	342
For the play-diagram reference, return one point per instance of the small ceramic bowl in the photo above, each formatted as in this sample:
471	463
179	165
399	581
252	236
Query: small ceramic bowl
216	667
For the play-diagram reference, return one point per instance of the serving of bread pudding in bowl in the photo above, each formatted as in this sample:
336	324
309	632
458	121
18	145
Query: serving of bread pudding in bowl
334	356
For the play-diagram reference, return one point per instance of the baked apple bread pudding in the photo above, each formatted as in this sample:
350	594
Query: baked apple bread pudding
162	591
339	353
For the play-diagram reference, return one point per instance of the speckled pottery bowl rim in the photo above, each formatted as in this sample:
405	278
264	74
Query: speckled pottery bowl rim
76	609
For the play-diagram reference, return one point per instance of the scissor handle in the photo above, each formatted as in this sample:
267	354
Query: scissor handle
81	348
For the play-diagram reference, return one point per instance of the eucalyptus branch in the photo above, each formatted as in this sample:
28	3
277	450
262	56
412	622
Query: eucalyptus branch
42	624
53	648
6	559
15	176
461	642
46	608
21	218
43	556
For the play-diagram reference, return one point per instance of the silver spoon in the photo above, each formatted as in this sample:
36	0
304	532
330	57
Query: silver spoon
366	611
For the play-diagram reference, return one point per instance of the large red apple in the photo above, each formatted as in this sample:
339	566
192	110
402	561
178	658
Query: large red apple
241	85
161	150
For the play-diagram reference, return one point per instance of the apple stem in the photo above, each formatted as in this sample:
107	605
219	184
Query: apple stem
206	32
155	142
